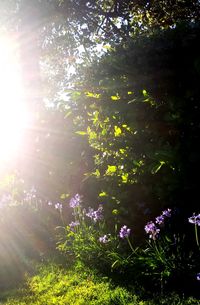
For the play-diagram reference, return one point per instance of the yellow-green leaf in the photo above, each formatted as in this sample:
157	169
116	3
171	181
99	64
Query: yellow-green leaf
124	178
118	131
144	92
82	133
103	194
64	196
157	167
115	97
93	95
111	169
97	173
115	212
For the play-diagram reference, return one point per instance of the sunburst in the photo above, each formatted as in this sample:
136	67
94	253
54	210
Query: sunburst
13	113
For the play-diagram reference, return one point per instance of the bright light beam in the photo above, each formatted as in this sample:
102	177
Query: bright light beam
13	114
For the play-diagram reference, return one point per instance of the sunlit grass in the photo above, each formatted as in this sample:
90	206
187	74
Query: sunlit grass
54	285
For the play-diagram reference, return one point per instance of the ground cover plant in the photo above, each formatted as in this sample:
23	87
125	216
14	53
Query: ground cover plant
54	285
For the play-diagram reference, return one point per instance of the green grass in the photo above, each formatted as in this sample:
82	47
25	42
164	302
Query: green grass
53	285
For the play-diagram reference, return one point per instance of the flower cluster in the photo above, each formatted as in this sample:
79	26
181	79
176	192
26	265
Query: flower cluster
58	206
95	215
167	213
75	201
74	224
195	219
124	232
198	276
30	195
104	239
152	230
151	227
161	219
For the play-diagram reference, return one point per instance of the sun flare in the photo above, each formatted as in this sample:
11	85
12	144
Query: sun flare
13	114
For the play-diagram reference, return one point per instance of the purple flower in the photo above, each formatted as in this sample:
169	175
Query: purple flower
98	214
195	219
198	276
90	213
167	213
58	206
124	232
75	201
95	215
160	220
104	239
152	230
74	224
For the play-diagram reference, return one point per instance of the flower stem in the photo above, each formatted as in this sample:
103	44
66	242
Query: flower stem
196	234
130	245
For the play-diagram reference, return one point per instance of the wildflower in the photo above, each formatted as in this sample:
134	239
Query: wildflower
167	213
198	276
74	224
160	220
95	215
98	214
75	201
124	232
90	213
152	230
50	203
58	206
104	239
194	219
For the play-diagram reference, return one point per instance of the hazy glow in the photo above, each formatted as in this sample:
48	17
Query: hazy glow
13	116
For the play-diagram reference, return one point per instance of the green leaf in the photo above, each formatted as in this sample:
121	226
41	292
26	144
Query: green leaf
103	194
68	114
97	173
118	131
115	264
64	196
144	92
115	212
157	167
111	169
104	132
124	178
93	95
82	133
115	97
